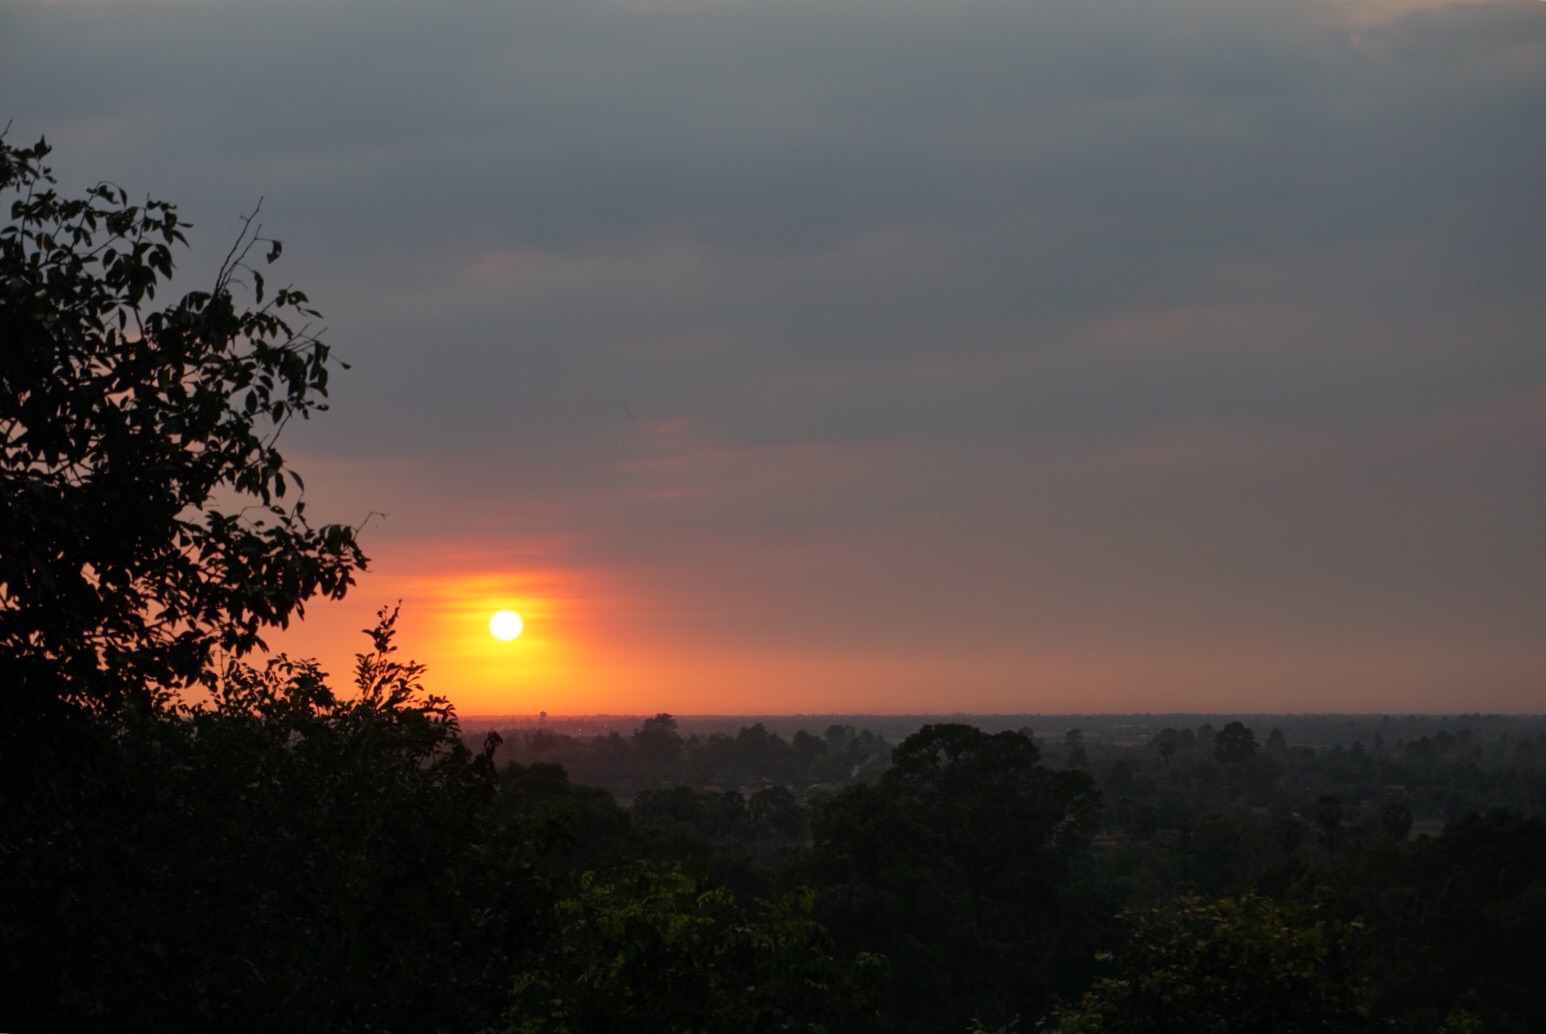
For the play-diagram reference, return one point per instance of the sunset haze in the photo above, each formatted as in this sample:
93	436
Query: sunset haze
884	356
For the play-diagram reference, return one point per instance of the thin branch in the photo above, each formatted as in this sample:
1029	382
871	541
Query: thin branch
227	264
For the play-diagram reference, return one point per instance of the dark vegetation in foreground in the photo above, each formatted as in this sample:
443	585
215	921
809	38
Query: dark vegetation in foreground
286	857
283	858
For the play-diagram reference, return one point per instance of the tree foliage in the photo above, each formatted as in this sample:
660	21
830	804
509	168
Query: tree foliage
1234	745
1461	924
960	866
1243	964
647	949
143	512
280	858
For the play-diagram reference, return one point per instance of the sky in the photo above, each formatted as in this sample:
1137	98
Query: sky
898	356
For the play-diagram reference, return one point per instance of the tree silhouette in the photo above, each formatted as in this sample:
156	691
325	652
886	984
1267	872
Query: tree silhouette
1234	745
1396	820
1229	965
659	741
143	520
652	949
959	867
1328	819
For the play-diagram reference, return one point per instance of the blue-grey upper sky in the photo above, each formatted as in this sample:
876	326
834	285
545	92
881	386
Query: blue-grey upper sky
893	354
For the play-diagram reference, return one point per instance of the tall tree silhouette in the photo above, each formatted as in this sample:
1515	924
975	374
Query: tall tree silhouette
143	513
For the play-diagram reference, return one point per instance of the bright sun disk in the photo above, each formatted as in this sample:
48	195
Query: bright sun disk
505	625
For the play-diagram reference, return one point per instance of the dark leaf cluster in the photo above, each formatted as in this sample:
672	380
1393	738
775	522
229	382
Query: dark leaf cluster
144	519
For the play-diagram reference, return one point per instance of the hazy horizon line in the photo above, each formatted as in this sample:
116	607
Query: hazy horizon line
553	715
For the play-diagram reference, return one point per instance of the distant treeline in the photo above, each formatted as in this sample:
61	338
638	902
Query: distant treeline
1441	767
1303	730
1304	887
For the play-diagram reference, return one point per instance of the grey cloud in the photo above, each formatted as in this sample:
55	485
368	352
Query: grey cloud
809	221
1114	327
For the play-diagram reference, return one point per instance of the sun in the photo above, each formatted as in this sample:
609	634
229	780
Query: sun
505	625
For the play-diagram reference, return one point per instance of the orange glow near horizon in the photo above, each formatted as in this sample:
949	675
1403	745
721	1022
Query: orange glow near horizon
479	671
470	657
443	623
589	649
637	641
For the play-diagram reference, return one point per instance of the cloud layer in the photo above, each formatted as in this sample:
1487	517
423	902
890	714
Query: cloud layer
1097	344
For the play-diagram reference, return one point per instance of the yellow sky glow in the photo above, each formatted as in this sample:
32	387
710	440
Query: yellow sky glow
444	623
